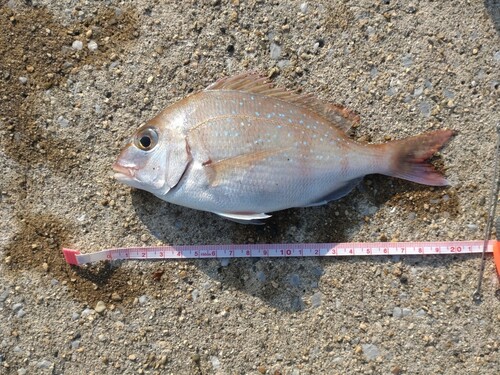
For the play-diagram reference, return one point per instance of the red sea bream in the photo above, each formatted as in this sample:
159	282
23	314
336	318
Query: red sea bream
242	149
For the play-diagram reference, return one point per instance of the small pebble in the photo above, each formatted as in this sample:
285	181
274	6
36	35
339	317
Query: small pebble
294	280
396	370
283	63
425	108
143	299
86	313
132	357
92	45
215	362
77	45
261	276
448	94
418	91
4	295
370	351
75	344
304	7
195	294
420	313
407	61
472	227
100	307
275	51
44	364
316	299
116	297
23	80
399	312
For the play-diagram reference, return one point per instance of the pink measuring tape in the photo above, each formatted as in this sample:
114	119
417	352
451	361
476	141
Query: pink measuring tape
74	257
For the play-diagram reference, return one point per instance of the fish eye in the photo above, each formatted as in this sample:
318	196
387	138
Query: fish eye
146	139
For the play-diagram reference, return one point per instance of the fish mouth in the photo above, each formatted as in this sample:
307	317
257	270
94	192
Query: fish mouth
123	173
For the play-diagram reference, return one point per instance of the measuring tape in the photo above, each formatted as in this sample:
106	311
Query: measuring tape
74	257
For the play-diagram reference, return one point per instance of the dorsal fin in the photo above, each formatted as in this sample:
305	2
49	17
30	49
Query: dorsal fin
251	82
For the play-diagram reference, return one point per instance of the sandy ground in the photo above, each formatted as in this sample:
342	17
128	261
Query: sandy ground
77	77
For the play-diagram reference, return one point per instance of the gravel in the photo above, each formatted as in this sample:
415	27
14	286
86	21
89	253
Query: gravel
275	51
77	78
92	45
77	45
370	351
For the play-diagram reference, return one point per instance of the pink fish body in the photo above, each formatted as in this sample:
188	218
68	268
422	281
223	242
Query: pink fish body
242	149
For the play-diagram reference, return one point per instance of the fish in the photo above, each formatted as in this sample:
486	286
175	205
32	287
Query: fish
243	148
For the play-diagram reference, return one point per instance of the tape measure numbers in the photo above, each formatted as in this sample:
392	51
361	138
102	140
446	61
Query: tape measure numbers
74	257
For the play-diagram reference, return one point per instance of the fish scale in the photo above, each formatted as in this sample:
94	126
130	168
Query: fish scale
243	148
210	143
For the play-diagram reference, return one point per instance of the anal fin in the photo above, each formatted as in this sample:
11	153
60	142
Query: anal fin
337	194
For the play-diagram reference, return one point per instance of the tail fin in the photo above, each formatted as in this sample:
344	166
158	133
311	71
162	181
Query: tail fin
408	157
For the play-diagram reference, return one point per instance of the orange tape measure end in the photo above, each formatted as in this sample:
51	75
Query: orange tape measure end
496	255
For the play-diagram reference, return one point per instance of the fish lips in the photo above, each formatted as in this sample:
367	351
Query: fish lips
124	174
